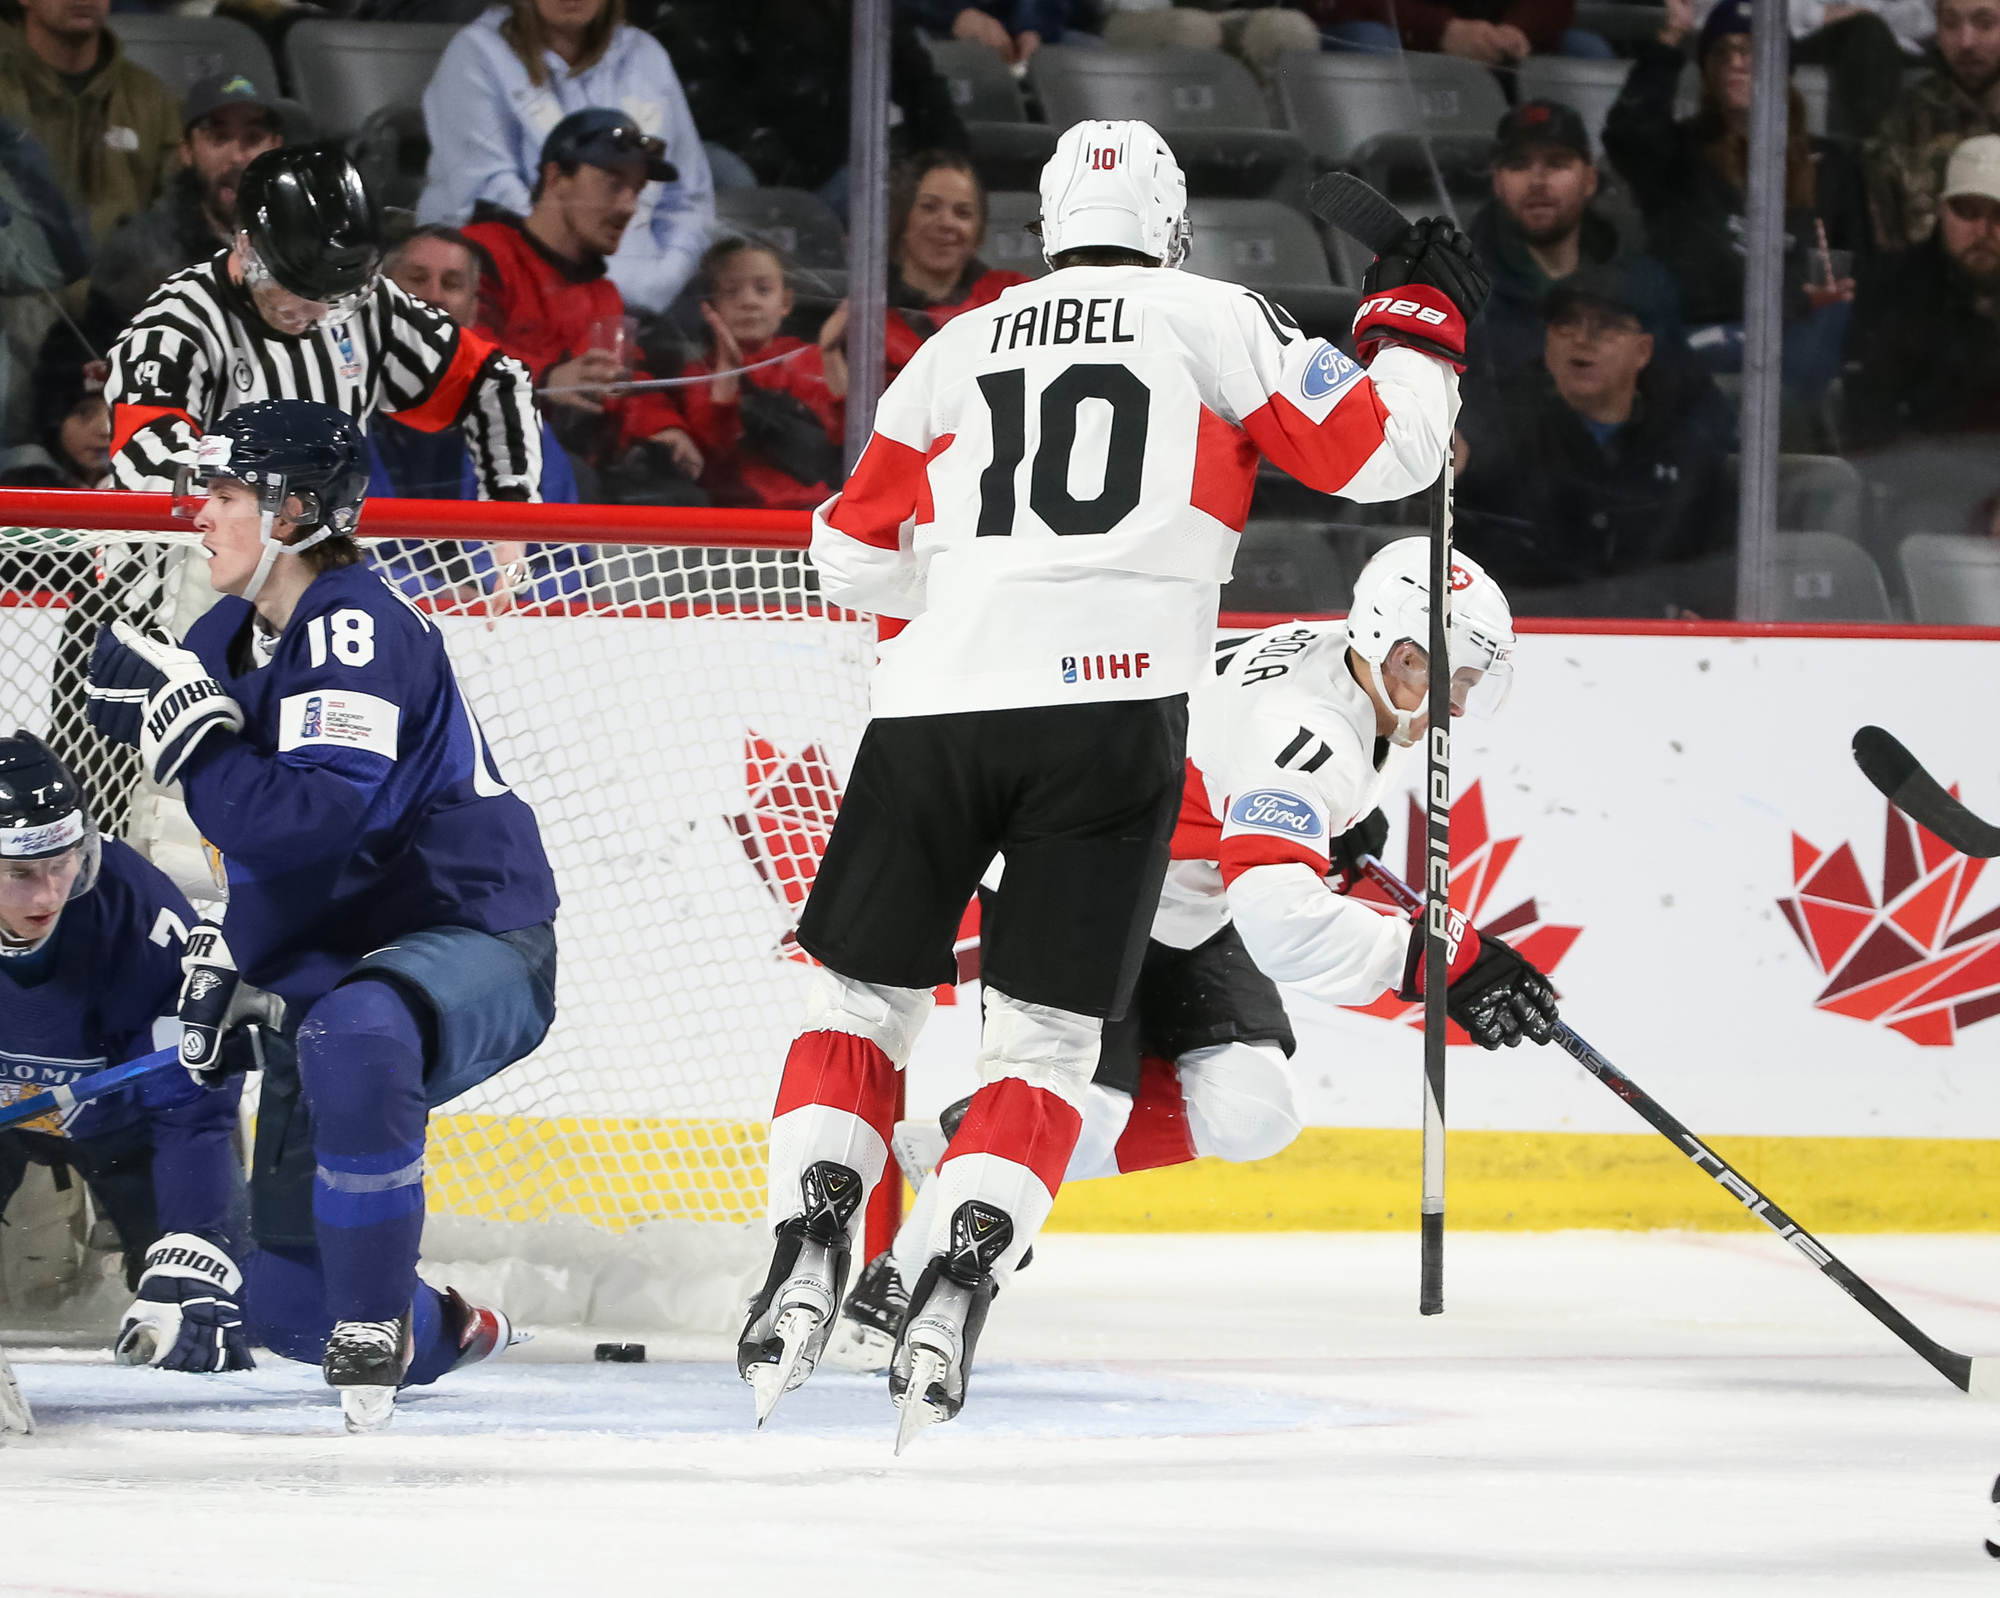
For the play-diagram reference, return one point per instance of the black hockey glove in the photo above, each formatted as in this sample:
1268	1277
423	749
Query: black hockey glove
1366	837
1423	292
1495	993
223	1025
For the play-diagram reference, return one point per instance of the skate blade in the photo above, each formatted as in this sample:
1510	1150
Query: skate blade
367	1409
795	1330
926	1366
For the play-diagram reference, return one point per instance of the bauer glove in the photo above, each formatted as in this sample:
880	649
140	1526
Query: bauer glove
1422	292
1492	991
188	1315
157	697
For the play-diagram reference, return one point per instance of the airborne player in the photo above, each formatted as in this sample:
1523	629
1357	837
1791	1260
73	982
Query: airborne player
1050	501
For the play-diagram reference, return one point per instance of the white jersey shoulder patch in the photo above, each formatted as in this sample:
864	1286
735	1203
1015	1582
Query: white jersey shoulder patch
339	719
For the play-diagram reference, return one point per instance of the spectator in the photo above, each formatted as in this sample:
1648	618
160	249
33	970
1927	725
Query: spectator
110	127
550	303
771	437
44	244
1956	99
937	221
74	450
1599	479
507	80
769	80
1925	346
1256	37
1498	33
1013	29
1690	178
1542	226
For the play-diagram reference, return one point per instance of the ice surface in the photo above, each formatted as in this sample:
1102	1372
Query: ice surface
1605	1414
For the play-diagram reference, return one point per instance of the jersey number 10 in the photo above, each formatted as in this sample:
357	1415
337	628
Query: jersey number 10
1006	395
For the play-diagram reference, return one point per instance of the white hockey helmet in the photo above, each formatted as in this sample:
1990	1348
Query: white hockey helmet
1114	185
1392	602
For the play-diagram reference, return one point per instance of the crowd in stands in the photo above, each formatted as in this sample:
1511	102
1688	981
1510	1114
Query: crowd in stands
582	166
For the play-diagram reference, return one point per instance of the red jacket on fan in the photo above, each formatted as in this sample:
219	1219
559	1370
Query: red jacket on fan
912	319
539	308
737	473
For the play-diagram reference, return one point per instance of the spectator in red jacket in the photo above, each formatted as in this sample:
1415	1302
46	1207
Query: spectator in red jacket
937	221
771	436
549	304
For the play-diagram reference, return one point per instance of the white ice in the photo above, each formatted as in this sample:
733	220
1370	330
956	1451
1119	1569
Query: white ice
1603	1414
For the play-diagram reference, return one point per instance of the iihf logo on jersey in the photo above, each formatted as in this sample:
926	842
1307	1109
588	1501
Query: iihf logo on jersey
1899	962
310	727
1103	668
350	368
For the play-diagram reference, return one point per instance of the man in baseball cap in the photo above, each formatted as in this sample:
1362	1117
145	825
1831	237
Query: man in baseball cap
602	136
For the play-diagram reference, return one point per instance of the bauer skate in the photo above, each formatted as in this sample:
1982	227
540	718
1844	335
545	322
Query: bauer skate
366	1361
864	1338
791	1318
479	1332
948	1306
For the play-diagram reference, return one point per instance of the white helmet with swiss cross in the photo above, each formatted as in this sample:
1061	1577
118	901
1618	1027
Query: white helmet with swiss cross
1392	602
1114	185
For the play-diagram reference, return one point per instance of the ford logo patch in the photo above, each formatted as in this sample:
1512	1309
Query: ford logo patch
1271	810
1328	371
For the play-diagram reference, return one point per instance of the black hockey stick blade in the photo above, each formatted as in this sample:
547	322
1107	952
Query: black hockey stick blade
1342	200
1914	791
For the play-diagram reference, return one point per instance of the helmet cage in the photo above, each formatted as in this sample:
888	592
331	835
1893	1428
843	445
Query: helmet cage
257	274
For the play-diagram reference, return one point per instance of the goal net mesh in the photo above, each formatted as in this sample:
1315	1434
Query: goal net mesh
680	719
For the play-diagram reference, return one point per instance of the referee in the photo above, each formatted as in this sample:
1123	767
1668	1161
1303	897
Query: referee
297	308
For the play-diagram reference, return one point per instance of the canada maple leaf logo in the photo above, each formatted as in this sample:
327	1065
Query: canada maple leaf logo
1478	859
788	816
1897	962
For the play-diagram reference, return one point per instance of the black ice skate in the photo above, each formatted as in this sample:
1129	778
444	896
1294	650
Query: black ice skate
366	1360
864	1339
933	1360
479	1332
1993	1536
791	1317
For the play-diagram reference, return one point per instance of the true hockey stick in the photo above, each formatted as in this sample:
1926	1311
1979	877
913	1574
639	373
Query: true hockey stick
1345	202
16	1418
1914	791
1978	1376
96	1085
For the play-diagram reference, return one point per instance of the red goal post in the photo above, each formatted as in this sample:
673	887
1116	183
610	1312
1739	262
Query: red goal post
679	705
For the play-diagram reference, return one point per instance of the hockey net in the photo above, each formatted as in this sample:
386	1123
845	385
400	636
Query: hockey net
679	707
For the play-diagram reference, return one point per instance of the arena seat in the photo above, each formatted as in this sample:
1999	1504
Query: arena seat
1288	567
1008	149
1952	579
1589	87
1275	250
1009	244
345	72
1206	104
1825	577
180	49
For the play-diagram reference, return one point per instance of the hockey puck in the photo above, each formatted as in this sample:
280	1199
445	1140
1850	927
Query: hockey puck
621	1353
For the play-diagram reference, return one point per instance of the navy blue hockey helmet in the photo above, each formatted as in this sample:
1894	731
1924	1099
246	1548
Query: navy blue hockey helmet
43	813
287	449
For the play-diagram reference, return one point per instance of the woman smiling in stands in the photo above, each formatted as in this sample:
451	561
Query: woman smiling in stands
937	220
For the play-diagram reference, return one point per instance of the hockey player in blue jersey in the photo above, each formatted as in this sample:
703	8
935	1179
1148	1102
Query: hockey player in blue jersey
383	881
91	938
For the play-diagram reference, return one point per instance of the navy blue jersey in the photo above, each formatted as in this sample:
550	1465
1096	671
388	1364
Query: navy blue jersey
360	801
89	996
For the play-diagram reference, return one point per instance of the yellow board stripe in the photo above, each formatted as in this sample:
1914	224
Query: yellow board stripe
622	1171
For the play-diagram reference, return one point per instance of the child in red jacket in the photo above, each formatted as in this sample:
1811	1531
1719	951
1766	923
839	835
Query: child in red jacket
773	435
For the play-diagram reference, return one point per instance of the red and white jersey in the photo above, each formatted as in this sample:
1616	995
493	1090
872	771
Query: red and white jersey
1283	757
1056	481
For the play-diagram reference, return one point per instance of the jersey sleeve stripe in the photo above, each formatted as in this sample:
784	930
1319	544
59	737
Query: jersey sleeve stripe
1225	470
128	419
1323	455
441	407
1244	851
887	486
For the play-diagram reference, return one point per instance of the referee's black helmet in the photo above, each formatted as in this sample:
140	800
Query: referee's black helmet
311	220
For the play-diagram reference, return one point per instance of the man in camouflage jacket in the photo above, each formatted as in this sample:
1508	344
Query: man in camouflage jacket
1958	98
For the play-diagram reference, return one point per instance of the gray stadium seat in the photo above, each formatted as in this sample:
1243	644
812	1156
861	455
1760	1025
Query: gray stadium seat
1952	580
1816	493
1008	149
799	226
345	72
1290	568
1274	249
1009	244
1206	104
1589	87
1824	577
1386	117
178	49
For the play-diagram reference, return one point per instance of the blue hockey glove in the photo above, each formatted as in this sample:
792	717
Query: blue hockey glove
155	696
187	1316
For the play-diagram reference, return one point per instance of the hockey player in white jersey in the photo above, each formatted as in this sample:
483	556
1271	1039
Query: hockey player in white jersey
1050	501
1292	748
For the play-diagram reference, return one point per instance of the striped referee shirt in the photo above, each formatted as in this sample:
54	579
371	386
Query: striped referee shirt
198	349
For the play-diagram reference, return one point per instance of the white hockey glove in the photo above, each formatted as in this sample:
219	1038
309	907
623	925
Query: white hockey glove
157	697
223	1023
187	1316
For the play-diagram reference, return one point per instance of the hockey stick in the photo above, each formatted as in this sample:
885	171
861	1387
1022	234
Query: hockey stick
1345	202
96	1085
1914	791
1978	1376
